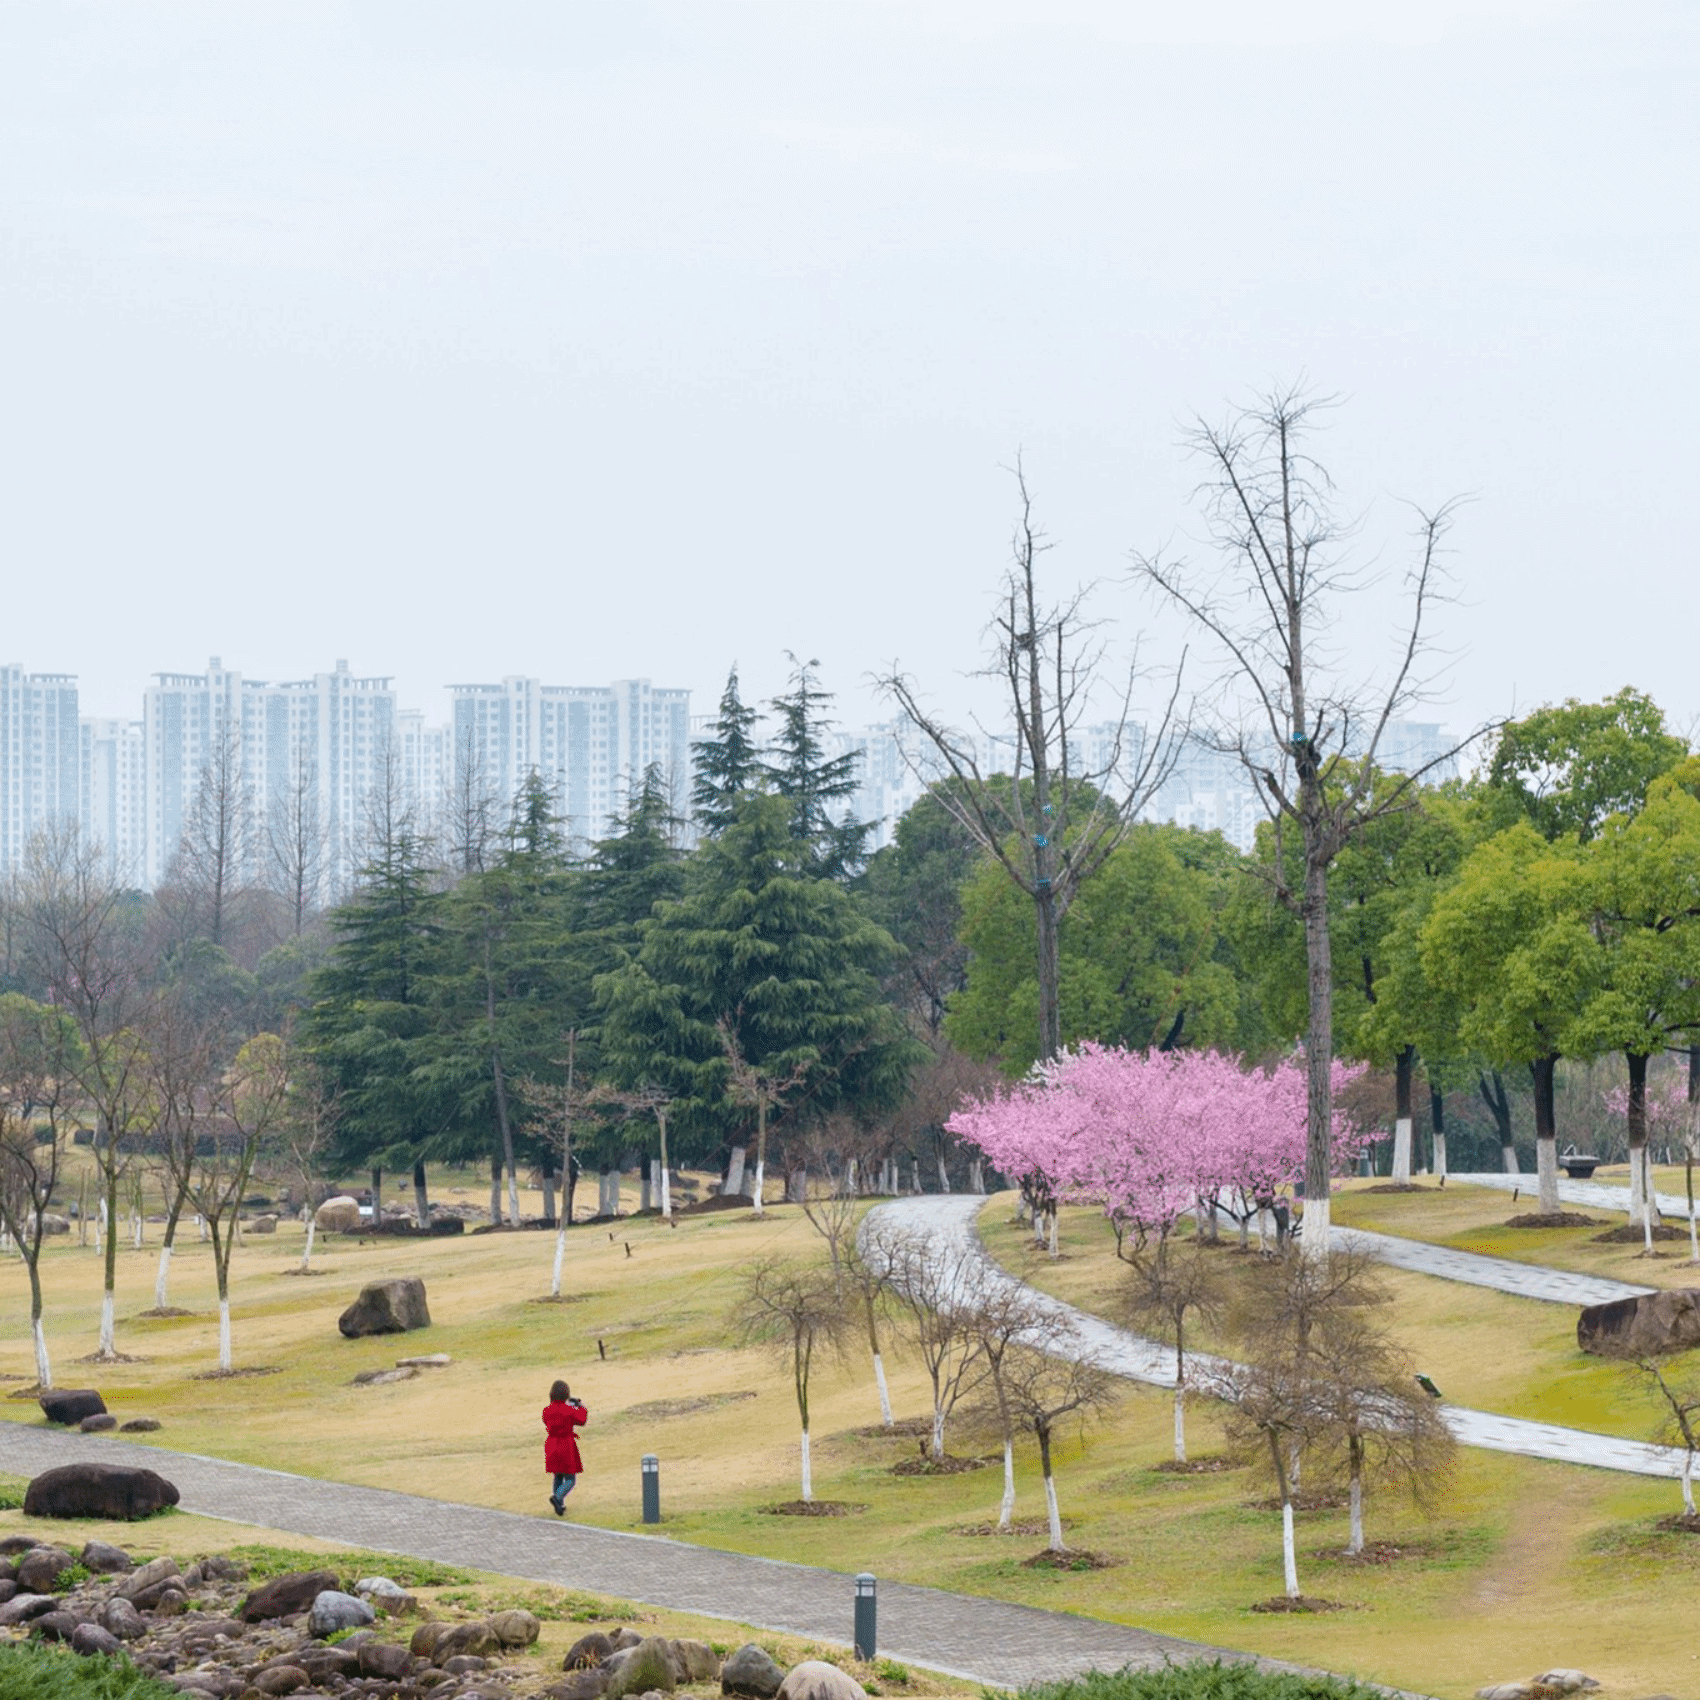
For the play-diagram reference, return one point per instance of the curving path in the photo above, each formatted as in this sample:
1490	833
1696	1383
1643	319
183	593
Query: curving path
948	1222
983	1641
1589	1195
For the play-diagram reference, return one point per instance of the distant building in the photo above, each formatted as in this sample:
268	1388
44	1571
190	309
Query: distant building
590	745
112	787
39	755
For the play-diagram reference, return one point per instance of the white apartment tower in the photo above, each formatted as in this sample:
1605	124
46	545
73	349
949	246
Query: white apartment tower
39	755
590	745
113	793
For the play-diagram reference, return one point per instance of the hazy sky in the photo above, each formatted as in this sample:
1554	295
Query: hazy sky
591	340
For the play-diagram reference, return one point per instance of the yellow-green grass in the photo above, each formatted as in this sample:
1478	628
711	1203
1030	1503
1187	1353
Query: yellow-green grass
565	1613
1507	1580
1474	1219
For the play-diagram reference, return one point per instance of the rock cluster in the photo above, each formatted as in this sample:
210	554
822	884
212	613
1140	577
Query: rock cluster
203	1633
1539	1687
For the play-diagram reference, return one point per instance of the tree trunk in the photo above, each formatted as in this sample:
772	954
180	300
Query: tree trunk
1437	1115
666	1173
808	1477
734	1183
1643	1203
1687	1481
1052	1515
1289	1548
496	1187
109	1210
938	1432
421	1196
1541	1073
1180	1402
1355	1544
1404	1069
885	1392
43	1369
761	1153
1006	1509
307	1244
1319	1040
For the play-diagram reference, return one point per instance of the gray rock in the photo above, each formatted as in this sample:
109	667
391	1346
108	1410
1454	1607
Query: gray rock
464	1664
340	1215
12	1545
281	1679
515	1628
647	1666
333	1610
626	1636
387	1659
58	1625
387	1307
815	1679
749	1671
475	1637
69	1405
1504	1691
117	1492
382	1377
694	1661
588	1651
123	1620
90	1638
218	1568
142	1587
1644	1326
40	1568
588	1683
100	1423
431	1360
263	1225
8	1588
104	1560
22	1607
139	1425
1566	1681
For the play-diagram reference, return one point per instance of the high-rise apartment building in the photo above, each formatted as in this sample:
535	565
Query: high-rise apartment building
589	744
112	786
39	755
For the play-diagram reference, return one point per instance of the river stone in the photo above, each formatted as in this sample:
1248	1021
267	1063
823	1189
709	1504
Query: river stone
333	1610
647	1666
281	1679
117	1492
103	1560
142	1586
429	1360
123	1620
90	1638
69	1405
56	1625
749	1671
283	1596
382	1377
139	1425
694	1661
8	1589
587	1651
263	1225
815	1679
100	1423
515	1628
387	1307
586	1684
21	1608
39	1569
1648	1325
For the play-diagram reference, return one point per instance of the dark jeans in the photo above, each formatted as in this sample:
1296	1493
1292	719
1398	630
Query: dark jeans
563	1486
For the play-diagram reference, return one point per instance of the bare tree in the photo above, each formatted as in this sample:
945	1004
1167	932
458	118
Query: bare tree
796	1310
760	1090
1045	1390
297	858
37	1067
1682	1420
1055	820
1171	1284
472	809
215	859
182	1061
555	1109
305	1133
935	1288
1308	728
83	939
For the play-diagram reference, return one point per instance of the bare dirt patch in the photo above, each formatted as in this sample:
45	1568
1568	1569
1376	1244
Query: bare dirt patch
905	1428
1314	1499
812	1508
159	1312
237	1374
1632	1233
1028	1529
1398	1186
1070	1558
1553	1219
1212	1464
1682	1523
560	1299
948	1465
1304	1603
661	1409
112	1358
1374	1553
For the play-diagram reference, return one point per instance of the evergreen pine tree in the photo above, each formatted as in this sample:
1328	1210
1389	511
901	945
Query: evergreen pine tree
728	762
818	787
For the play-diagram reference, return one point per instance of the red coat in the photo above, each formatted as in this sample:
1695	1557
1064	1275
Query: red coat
560	1450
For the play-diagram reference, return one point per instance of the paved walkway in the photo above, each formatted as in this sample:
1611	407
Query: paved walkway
983	1641
1586	1195
1503	1274
949	1222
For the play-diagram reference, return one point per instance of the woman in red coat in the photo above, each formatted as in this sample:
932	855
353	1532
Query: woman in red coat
561	1458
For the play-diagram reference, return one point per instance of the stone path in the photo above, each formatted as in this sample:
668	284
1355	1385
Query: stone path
1586	1195
949	1222
983	1641
1503	1274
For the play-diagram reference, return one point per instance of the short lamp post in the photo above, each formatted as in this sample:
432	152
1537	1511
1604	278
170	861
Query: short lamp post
651	1488
866	1610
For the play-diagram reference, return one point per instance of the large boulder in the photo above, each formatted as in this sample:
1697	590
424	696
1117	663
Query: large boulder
69	1405
752	1673
102	1560
387	1307
332	1611
339	1215
645	1668
40	1568
119	1492
1648	1325
814	1679
283	1596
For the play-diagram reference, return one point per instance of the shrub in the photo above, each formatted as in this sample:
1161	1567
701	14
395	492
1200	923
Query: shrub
1202	1679
32	1672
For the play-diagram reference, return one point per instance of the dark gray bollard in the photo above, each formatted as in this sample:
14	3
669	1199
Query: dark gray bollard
866	1612
651	1488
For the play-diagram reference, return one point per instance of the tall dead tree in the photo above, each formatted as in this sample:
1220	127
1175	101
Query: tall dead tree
1292	704
295	841
1052	822
215	859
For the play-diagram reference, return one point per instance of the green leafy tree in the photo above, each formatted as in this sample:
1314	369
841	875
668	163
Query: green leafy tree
1143	956
789	960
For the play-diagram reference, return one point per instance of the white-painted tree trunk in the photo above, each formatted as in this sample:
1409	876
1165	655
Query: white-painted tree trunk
1007	1509
495	1196
1052	1514
162	1280
761	1183
1546	1169
1318	1224
1402	1151
307	1247
136	1228
201	1228
885	1391
1509	1152
808	1475
43	1369
1180	1422
224	1333
560	1258
513	1197
1053	1215
938	1433
108	1338
1355	1544
1289	1550
1687	1478
666	1191
1693	1237
646	1186
944	1175
735	1172
1440	1154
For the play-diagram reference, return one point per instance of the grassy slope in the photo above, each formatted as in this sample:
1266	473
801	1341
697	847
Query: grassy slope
1534	1565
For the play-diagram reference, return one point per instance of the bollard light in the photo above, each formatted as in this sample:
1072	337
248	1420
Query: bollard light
651	1488
865	1616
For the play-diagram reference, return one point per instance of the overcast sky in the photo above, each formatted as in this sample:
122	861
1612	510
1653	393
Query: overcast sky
599	340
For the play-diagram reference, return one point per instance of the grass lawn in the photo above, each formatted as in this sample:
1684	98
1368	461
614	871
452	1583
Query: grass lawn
1531	1566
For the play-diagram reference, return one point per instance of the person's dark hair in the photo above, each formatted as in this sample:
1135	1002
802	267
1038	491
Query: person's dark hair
559	1394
